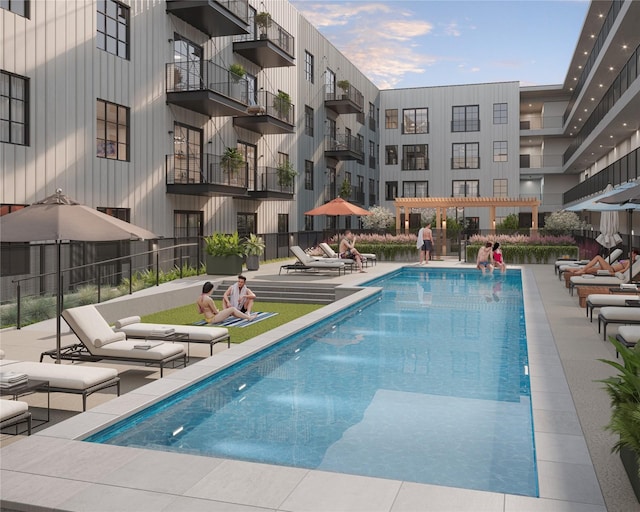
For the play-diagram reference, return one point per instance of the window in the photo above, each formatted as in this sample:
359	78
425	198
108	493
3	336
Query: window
466	188
15	259
20	7
308	120
372	117
283	223
119	213
308	67
466	119
112	131
308	175
415	189
14	109
499	150
113	28
391	119
187	223
500	188
465	156
390	190
415	157
372	154
372	191
500	113
329	84
187	66
415	120
247	223
308	222
391	155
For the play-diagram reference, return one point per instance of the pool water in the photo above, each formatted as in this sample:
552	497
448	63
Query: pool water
427	382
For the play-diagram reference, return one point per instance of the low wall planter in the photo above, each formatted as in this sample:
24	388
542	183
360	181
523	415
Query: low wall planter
224	265
630	463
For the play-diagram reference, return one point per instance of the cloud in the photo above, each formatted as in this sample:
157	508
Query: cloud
451	29
331	14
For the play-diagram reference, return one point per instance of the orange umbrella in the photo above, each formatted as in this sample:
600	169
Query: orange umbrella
338	206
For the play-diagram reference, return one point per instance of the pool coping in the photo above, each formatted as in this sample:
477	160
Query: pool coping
565	470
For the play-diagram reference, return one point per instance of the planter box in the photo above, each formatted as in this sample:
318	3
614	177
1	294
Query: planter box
224	265
253	262
630	463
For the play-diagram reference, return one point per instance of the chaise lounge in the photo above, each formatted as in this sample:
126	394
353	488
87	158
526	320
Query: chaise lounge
599	300
330	253
561	267
617	315
309	263
605	280
98	342
14	412
628	335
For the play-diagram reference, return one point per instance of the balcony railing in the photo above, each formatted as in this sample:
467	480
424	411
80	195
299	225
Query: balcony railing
205	169
205	76
268	180
215	18
540	122
347	95
540	161
344	142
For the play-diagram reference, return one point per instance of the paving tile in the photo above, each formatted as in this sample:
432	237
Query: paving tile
200	505
569	482
558	422
522	504
413	497
105	498
36	492
562	448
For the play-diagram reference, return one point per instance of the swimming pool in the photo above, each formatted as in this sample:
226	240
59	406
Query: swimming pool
425	383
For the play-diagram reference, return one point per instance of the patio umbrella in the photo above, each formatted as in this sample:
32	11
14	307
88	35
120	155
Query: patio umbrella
628	199
337	207
608	236
59	218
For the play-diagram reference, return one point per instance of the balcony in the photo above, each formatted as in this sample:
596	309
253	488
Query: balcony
357	196
528	161
213	17
206	88
343	147
202	175
349	101
267	185
273	48
272	114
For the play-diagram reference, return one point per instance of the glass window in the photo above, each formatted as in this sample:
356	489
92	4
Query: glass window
20	7
500	188
415	120
465	156
308	223
391	119
390	190
499	150
308	175
283	223
14	109
391	155
112	131
113	28
415	189
500	113
415	157
466	188
466	119
308	67
187	223
308	120
247	223
119	213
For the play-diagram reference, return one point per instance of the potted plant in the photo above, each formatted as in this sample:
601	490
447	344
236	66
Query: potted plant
263	20
624	391
237	72
282	104
225	254
232	161
344	85
286	174
345	190
253	248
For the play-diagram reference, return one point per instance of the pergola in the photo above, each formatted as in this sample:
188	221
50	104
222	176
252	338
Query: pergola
440	204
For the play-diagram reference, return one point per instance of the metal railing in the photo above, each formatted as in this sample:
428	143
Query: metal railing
205	76
203	169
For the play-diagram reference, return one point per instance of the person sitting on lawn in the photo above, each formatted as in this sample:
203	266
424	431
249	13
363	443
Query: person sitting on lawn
239	296
207	307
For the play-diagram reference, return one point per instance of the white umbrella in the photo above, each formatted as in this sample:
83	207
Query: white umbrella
59	218
609	222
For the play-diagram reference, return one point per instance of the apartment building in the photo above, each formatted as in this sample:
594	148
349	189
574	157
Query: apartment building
135	107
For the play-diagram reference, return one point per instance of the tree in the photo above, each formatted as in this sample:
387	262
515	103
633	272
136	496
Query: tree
563	221
381	218
510	222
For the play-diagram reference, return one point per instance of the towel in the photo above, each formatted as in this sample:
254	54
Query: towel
236	297
233	321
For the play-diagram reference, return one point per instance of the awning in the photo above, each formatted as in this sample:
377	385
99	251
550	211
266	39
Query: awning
592	205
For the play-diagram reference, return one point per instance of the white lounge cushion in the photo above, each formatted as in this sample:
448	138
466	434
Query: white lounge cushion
113	337
65	375
126	349
127	321
608	299
630	333
91	326
11	408
620	314
196	333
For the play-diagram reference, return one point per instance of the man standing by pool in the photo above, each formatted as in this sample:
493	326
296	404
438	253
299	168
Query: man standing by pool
424	243
239	296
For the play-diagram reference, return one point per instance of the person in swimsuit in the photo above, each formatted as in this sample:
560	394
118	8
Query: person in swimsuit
599	263
483	262
207	307
498	261
348	249
425	243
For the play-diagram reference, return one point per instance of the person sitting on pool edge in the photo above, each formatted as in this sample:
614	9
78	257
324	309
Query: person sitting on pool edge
599	263
498	260
483	262
347	249
207	307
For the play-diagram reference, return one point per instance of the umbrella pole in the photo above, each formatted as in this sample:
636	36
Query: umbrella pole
58	301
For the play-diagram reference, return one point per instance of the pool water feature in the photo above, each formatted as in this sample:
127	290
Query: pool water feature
427	382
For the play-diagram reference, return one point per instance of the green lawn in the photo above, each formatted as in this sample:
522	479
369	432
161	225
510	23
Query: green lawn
188	314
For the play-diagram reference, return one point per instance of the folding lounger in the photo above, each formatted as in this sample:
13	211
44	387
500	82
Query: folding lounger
132	327
617	315
314	264
615	280
65	378
564	266
628	335
599	300
330	253
14	412
98	341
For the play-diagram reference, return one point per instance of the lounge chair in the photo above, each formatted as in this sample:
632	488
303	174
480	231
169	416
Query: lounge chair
609	280
65	378
617	315
316	264
599	300
330	253
134	328
628	335
562	266
98	342
14	412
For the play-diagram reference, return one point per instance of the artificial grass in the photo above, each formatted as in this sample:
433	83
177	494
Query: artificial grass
186	315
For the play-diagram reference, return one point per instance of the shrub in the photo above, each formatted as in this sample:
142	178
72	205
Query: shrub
381	218
563	222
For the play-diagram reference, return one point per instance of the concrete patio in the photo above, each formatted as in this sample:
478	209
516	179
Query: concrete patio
52	470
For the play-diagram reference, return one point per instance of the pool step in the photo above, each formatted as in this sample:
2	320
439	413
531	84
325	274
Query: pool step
299	293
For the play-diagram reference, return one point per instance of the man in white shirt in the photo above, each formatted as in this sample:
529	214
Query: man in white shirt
239	296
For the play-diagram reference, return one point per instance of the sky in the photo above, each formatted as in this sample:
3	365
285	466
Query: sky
419	43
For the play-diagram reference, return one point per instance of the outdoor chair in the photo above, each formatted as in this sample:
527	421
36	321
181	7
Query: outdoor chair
98	342
617	315
562	266
610	280
311	263
599	300
330	253
14	412
628	335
